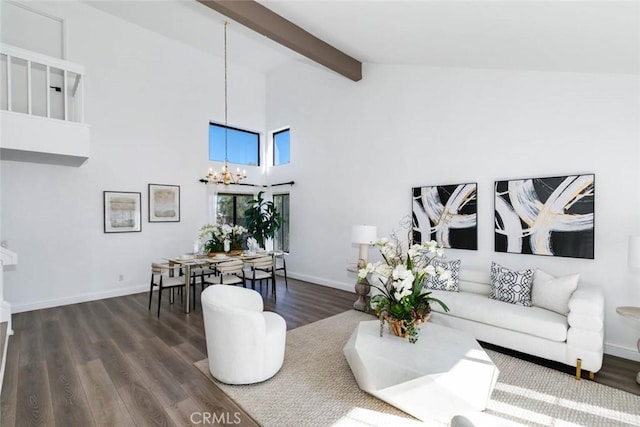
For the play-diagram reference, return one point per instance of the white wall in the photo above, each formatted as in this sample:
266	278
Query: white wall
359	148
148	100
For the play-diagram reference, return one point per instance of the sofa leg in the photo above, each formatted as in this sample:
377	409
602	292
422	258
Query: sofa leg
592	375
578	369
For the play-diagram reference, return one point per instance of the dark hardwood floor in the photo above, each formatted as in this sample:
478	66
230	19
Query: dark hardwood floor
113	363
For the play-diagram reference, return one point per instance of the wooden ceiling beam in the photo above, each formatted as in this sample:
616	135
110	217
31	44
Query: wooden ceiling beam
255	16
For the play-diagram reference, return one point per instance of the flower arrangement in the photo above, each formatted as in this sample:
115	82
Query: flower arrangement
404	300
216	235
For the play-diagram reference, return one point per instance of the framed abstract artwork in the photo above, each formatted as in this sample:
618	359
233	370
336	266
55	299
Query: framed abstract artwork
546	216
447	214
122	212
164	203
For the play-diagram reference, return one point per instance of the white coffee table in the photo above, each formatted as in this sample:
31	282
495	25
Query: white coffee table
445	373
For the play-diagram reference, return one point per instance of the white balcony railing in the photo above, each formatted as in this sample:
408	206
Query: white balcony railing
41	85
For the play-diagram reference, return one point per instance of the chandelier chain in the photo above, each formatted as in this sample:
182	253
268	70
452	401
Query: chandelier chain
225	92
225	177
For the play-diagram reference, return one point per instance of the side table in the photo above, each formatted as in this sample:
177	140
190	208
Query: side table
632	313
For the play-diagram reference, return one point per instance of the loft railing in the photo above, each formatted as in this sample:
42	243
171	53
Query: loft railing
41	85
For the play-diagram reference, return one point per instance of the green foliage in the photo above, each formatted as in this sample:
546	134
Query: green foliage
263	219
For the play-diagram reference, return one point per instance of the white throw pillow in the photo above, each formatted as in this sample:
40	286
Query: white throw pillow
553	293
511	286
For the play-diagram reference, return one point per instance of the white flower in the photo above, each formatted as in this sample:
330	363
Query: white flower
402	278
431	246
450	284
440	251
444	274
430	270
402	292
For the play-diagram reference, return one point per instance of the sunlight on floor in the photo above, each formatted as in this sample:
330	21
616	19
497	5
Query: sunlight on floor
607	415
366	417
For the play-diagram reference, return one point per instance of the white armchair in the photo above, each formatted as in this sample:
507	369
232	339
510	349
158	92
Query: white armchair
245	345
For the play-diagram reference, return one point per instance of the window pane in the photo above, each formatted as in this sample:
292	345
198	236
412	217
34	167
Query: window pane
281	147
281	241
241	206
224	211
243	147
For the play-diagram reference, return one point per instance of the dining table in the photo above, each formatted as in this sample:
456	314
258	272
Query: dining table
190	261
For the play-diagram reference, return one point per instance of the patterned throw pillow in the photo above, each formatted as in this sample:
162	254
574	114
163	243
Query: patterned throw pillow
434	282
511	286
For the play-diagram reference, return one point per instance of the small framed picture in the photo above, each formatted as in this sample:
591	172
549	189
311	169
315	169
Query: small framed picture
122	212
164	203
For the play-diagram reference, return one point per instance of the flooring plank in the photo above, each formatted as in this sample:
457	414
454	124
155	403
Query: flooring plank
9	393
33	403
70	406
105	403
144	408
161	383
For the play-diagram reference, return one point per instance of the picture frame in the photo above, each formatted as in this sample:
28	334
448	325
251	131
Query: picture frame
552	216
447	214
122	211
164	203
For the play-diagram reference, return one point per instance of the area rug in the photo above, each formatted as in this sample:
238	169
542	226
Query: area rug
315	387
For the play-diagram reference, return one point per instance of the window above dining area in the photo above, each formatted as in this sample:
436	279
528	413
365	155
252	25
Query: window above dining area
234	145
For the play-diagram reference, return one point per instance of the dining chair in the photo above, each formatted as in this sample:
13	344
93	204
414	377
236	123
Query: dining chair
164	276
281	265
199	273
229	273
262	268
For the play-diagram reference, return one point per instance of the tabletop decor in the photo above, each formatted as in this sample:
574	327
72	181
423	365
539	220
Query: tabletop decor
222	237
404	301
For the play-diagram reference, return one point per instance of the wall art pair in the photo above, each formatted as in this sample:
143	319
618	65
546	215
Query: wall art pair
123	209
551	216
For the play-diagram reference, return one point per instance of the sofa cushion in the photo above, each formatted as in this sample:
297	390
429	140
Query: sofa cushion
534	321
435	282
511	286
553	293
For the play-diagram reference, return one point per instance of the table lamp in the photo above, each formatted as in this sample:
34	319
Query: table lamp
364	235
634	253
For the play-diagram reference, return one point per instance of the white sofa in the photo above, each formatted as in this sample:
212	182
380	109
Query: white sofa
576	339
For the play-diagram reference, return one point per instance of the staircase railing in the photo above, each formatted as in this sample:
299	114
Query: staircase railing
19	66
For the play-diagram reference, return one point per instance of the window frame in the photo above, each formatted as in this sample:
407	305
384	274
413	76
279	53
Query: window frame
234	128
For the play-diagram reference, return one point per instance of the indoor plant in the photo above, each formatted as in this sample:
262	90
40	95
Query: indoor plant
404	300
263	219
216	235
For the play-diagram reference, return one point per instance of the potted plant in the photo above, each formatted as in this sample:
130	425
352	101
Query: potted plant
404	300
263	219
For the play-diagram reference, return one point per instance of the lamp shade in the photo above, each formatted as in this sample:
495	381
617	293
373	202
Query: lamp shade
364	234
634	253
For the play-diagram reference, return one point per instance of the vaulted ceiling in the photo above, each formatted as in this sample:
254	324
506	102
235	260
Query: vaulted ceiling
571	36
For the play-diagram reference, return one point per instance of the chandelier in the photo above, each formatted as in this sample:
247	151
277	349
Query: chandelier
225	176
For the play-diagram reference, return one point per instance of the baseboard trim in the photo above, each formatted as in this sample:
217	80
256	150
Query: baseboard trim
623	352
349	287
93	296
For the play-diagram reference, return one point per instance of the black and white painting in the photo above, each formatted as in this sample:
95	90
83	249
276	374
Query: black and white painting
447	214
546	216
